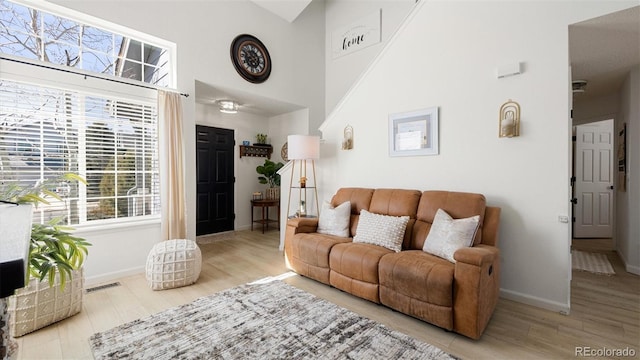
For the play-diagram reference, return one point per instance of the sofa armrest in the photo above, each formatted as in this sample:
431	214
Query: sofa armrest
476	288
295	226
306	225
477	255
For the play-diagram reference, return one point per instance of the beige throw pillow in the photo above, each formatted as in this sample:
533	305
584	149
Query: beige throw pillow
448	235
382	230
335	221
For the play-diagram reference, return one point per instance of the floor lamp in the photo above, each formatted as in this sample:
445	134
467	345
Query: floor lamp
300	149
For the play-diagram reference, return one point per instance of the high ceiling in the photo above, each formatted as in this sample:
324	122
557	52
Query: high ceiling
286	9
603	50
248	103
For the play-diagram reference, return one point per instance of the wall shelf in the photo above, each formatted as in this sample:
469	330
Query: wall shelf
256	151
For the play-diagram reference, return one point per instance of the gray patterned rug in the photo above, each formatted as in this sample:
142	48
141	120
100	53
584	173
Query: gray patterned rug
262	321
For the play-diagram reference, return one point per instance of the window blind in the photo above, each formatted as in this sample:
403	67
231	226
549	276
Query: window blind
110	141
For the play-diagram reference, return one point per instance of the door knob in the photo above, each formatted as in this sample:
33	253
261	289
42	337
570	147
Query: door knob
611	187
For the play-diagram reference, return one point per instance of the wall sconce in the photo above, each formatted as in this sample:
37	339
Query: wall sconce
228	106
509	122
347	140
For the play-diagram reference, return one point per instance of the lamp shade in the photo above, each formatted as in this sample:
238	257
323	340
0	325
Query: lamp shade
303	147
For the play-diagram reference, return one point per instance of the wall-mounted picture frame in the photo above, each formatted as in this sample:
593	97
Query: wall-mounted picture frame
414	133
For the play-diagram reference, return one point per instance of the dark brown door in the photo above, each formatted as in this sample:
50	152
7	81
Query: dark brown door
215	180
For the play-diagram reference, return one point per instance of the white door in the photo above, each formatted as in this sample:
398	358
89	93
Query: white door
594	180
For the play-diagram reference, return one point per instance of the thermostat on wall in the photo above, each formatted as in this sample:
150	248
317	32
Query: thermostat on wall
509	70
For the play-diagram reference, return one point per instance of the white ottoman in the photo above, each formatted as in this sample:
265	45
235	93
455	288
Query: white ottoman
173	263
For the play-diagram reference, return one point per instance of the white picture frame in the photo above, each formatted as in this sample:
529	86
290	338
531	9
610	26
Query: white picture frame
414	133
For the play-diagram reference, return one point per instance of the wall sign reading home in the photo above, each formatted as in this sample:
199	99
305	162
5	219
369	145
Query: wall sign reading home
357	36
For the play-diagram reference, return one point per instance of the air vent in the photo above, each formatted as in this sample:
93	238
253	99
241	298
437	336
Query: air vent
579	86
102	287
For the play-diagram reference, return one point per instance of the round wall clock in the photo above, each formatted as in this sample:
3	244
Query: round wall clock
250	58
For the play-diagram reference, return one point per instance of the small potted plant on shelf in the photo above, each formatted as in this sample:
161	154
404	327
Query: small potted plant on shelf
55	258
261	140
269	175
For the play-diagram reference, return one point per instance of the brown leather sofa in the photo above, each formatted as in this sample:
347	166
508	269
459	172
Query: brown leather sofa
458	296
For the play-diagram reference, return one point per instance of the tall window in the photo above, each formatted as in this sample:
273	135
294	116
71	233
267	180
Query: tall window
111	142
107	136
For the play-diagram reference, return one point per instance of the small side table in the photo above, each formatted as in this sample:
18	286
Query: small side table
264	205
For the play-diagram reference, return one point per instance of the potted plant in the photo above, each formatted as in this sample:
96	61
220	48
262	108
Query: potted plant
55	259
261	139
269	175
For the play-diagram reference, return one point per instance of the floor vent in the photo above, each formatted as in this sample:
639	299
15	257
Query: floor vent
102	287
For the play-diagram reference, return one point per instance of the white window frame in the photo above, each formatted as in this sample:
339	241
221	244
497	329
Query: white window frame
105	25
10	70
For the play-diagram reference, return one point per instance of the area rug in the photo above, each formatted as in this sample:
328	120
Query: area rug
596	263
270	320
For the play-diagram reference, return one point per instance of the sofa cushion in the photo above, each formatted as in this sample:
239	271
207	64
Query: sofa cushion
360	198
457	204
355	265
335	220
447	235
382	230
308	254
418	284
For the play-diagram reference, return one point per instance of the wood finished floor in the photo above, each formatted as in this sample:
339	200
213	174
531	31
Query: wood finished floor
604	309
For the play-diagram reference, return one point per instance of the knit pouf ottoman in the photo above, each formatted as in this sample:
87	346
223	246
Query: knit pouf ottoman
173	263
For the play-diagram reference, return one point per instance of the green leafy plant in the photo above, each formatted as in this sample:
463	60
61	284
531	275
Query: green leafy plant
261	138
53	250
269	173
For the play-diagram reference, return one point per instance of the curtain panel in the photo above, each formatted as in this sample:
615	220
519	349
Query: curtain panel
172	188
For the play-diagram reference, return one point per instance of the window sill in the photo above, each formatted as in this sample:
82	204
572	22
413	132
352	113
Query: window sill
122	224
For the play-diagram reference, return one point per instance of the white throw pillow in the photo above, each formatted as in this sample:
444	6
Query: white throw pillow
335	221
382	230
448	235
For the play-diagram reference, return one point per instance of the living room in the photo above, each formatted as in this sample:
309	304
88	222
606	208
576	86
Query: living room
442	55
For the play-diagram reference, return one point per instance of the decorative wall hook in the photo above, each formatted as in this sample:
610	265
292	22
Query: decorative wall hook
509	121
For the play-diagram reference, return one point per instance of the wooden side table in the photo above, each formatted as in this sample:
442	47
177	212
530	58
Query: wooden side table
264	205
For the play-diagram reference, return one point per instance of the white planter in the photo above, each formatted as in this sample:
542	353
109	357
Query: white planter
38	304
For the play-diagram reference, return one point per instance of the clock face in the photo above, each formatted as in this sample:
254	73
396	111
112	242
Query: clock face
251	58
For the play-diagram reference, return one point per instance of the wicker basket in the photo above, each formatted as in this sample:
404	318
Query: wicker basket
273	193
38	304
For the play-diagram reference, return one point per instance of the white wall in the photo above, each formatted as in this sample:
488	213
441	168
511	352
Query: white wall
118	251
203	31
281	126
446	56
342	72
628	202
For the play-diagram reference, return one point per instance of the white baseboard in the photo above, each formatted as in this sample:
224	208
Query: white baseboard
535	301
632	269
104	278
